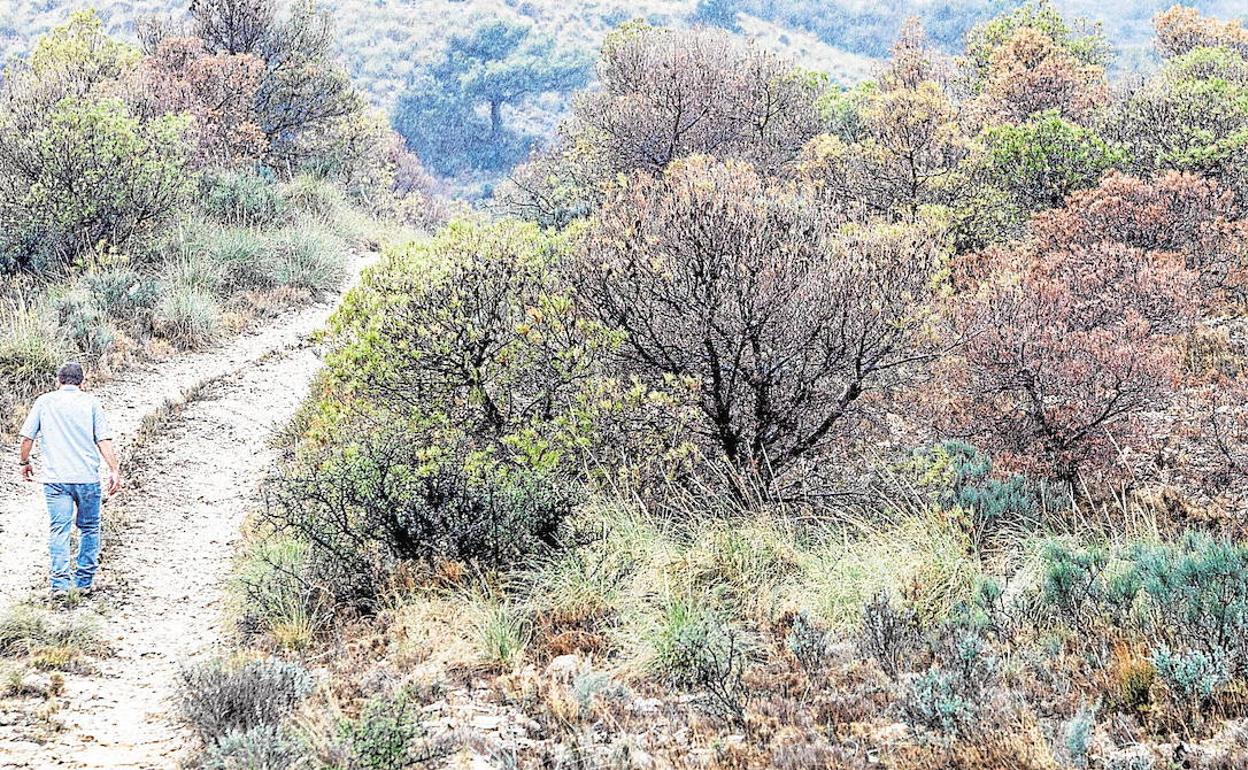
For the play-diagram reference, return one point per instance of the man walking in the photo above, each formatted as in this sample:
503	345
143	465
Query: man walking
72	434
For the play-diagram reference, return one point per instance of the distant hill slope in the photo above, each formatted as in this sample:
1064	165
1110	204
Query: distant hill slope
382	40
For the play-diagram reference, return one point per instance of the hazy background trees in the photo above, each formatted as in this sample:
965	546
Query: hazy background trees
452	113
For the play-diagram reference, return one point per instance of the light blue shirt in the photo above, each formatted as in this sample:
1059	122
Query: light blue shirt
68	424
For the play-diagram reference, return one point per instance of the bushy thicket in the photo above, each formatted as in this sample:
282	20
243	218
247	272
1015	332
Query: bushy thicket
695	435
168	192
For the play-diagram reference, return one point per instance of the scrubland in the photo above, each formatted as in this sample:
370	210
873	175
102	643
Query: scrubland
755	422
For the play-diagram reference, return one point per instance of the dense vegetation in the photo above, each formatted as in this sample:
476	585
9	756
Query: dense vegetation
404	56
771	424
156	197
759	422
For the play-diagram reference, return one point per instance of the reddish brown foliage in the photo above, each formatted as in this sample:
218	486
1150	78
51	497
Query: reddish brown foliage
1031	73
218	89
1180	29
1177	213
1067	345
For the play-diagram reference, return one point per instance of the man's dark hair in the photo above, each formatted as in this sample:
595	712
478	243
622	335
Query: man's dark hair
70	373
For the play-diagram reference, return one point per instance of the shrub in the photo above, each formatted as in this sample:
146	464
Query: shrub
240	198
308	258
280	595
264	747
1050	377
807	642
84	323
890	636
219	698
387	735
654	80
935	700
1199	597
694	650
386	498
960	479
126	296
188	316
1191	677
316	199
90	174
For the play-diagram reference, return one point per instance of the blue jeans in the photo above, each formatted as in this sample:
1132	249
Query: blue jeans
62	500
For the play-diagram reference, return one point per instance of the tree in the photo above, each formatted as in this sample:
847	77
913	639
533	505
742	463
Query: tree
667	95
743	291
1192	115
302	91
901	150
1079	39
1071	335
1039	162
234	26
217	89
1181	29
1030	72
495	65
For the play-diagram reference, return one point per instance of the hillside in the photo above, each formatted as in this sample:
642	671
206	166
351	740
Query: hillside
742	422
382	40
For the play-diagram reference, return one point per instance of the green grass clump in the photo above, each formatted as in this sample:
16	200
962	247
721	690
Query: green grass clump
31	348
49	642
245	258
189	317
310	258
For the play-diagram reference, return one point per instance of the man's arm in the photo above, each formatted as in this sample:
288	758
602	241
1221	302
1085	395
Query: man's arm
114	465
24	469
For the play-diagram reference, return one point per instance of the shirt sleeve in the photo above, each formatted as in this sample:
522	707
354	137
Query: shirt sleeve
30	428
99	423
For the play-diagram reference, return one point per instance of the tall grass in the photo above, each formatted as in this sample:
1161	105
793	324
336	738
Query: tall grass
31	347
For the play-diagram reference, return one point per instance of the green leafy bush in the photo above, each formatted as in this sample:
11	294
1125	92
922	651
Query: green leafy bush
387	735
92	175
391	496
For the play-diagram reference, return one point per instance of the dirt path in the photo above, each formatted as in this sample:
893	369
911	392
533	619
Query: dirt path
161	582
